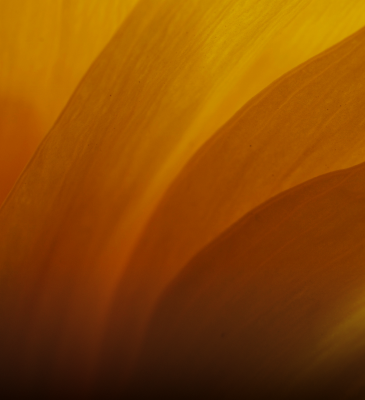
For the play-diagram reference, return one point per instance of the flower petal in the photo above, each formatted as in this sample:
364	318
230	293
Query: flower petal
75	215
308	123
268	310
45	49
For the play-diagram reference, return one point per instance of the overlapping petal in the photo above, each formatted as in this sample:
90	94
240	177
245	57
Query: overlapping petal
161	87
78	208
307	123
46	47
271	309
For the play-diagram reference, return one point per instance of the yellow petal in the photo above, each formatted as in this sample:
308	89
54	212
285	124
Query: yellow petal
45	49
316	26
76	212
73	218
306	124
252	313
319	25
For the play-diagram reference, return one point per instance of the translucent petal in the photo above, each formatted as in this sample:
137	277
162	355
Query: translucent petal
77	210
70	224
307	123
271	308
46	47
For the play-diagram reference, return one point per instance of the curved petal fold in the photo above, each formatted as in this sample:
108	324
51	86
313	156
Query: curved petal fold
306	124
45	49
273	308
74	217
75	213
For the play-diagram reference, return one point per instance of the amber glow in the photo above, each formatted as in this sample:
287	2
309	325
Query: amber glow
143	245
45	49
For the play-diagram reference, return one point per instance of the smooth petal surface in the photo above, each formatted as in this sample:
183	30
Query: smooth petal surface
273	308
314	28
46	47
304	125
75	215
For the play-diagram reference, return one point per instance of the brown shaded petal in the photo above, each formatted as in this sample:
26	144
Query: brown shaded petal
309	122
271	308
75	215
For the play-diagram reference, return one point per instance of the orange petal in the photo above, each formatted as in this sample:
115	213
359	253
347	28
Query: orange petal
76	213
45	49
77	210
306	124
268	310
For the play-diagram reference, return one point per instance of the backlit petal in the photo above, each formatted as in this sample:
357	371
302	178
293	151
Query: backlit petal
73	219
46	47
306	124
273	308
